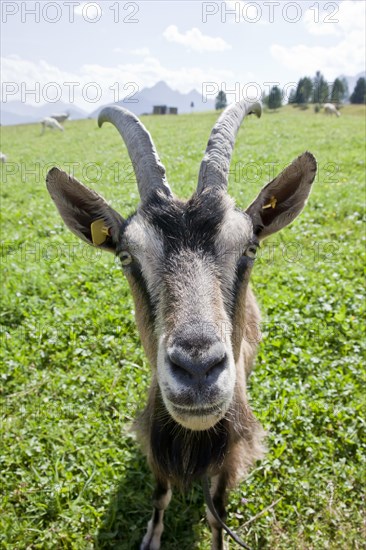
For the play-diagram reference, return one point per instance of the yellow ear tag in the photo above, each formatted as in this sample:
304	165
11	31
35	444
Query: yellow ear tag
272	203
99	232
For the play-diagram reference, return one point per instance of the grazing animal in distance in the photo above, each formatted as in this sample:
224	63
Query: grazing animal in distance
330	109
188	265
2	157
49	122
61	117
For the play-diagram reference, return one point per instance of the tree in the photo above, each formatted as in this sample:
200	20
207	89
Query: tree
221	100
346	89
292	97
320	89
274	99
359	93
303	90
338	92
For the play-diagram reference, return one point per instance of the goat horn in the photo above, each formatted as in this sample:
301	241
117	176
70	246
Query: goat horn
216	161
149	171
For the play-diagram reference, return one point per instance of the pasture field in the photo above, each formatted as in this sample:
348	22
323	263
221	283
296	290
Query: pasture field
74	375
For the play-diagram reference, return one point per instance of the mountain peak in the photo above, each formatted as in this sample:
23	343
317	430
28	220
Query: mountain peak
161	86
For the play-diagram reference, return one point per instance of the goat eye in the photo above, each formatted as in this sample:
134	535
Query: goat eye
125	258
251	252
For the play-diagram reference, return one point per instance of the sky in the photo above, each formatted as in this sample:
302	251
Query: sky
92	53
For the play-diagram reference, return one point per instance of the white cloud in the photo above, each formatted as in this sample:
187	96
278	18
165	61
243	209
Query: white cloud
345	58
348	16
90	11
113	82
195	40
347	25
142	52
318	28
237	11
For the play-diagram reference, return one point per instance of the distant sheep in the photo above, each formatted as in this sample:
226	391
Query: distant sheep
330	109
49	122
2	157
61	118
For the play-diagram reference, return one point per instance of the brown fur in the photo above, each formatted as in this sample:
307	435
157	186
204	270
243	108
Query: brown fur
245	434
144	322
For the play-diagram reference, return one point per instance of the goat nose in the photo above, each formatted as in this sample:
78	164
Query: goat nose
191	367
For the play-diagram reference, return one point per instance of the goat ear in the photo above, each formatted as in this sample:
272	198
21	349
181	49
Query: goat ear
282	200
80	207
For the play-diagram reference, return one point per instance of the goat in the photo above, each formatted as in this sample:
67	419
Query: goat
330	109
188	265
49	122
2	157
61	118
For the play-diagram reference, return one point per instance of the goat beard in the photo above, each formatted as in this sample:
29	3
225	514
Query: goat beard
182	455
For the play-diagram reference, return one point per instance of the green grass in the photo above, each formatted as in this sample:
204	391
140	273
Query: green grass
74	374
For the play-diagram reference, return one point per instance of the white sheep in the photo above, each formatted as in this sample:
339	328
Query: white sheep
330	109
61	117
2	157
49	122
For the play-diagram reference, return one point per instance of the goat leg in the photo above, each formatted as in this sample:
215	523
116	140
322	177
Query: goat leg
155	527
219	494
